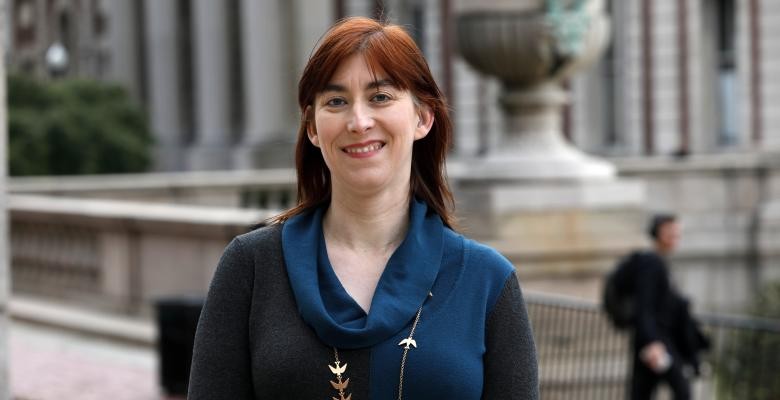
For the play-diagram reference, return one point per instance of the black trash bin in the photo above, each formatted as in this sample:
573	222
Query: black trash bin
177	318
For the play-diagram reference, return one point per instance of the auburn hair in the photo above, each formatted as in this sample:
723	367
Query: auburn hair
389	48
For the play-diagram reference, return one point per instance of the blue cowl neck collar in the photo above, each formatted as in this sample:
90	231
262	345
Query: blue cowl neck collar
403	286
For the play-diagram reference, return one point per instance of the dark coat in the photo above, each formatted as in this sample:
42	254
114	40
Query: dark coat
662	313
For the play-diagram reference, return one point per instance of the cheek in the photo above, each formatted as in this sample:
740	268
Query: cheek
326	126
327	130
405	127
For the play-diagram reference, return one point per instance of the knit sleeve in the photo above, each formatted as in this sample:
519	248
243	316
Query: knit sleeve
221	357
510	364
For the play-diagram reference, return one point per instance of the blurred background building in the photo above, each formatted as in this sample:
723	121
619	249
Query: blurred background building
682	98
681	103
218	80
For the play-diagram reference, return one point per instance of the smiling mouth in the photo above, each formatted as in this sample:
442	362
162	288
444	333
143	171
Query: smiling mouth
364	149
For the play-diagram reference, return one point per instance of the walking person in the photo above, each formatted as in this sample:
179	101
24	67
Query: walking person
365	290
666	339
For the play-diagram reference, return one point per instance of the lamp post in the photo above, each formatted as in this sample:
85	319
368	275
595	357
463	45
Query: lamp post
57	59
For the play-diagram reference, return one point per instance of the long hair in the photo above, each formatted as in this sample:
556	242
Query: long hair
387	47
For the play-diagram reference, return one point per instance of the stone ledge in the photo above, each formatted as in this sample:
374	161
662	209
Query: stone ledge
48	313
178	180
124	212
700	163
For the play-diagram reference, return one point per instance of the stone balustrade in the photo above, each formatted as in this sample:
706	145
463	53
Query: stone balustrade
118	256
269	189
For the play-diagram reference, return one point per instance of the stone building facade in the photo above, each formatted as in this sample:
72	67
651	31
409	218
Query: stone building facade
218	79
683	98
683	77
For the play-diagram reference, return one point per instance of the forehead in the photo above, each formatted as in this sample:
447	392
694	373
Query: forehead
357	68
670	225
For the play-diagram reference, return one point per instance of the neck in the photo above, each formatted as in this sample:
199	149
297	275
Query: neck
369	223
662	250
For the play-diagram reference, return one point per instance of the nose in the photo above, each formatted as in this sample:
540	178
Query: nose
361	119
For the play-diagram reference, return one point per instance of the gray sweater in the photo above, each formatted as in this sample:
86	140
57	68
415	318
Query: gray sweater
251	342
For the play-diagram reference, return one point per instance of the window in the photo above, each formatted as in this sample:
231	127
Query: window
726	72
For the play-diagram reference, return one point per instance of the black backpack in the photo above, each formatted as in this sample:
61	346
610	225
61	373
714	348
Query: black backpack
618	295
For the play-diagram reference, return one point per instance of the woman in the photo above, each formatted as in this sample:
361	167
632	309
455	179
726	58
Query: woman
364	290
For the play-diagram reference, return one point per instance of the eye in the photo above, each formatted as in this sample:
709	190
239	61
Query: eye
381	98
335	102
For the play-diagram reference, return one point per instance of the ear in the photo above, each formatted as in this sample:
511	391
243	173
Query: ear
311	130
424	122
313	138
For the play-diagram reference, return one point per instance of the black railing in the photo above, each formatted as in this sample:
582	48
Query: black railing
581	356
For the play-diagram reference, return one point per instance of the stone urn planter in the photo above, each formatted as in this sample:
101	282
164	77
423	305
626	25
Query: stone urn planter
532	47
560	214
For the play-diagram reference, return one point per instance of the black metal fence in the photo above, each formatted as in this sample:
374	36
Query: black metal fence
581	356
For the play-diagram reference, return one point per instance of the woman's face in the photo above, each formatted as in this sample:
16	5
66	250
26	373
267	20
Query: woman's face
365	127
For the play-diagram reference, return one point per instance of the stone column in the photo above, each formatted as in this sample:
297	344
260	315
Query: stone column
42	36
312	19
122	45
745	31
359	7
164	67
267	85
4	258
212	85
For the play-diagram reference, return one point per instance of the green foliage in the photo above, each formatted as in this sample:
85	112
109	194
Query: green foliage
751	359
74	127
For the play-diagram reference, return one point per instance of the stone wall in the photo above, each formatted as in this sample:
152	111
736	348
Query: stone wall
117	256
729	207
769	17
272	189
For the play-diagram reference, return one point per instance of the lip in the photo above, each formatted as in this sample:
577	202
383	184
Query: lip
366	154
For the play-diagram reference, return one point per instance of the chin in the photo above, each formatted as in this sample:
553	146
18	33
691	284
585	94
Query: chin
370	183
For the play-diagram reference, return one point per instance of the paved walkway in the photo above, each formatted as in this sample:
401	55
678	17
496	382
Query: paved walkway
49	363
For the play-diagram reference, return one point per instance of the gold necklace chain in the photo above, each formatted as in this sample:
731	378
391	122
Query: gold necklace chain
339	370
409	342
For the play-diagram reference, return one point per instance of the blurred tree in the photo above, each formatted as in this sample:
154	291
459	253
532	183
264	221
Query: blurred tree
74	127
751	359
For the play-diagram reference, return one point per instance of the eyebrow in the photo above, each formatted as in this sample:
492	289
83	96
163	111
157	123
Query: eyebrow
333	87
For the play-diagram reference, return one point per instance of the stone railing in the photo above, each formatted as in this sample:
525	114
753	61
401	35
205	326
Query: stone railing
582	356
117	256
269	189
729	205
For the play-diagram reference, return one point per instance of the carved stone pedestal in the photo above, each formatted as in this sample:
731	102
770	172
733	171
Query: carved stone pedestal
559	214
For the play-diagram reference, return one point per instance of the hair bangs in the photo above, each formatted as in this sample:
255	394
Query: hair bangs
389	54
